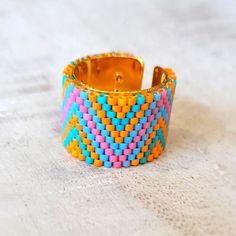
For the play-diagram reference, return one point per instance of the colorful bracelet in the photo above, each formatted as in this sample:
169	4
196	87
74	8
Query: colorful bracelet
107	120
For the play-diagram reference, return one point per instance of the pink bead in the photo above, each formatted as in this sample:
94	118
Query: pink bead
146	125
117	164
99	138
132	145
91	124
163	94
122	158
83	109
87	116
113	158
151	118
142	132
160	103
155	110
76	91
80	101
104	145
95	131
127	151
137	139
109	151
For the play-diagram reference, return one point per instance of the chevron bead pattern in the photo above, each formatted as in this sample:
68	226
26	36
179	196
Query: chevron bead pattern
112	129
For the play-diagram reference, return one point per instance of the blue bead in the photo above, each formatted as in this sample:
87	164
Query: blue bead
86	153
79	114
89	160
91	111
152	105
82	145
78	138
118	152
130	114
95	144
133	133
96	119
91	136
111	114
107	164
87	103
120	127
131	157
106	107
147	153
138	127
151	145
105	133
115	121
125	121
109	139
143	120
136	151
149	130
100	126
123	146
143	160
104	157
157	96
99	151
140	99
63	80
128	139
126	163
82	122
83	94
140	144
148	112
86	129
135	108
114	146
145	137
102	99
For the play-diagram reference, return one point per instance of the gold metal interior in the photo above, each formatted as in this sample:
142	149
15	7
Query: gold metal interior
114	72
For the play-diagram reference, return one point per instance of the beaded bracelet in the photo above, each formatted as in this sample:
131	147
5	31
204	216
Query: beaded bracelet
107	120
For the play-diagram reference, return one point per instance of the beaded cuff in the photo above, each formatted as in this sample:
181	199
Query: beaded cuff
106	119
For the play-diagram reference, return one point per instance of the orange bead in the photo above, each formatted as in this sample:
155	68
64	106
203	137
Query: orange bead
92	97
101	113
115	133
148	142
110	127
96	106
112	100
149	97
106	121
144	106
131	100
122	101
98	163
116	108
125	108
144	148
135	162
140	155
74	153
94	155
90	148
150	157
134	121
140	114
124	133
120	115
81	157
129	127
118	139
